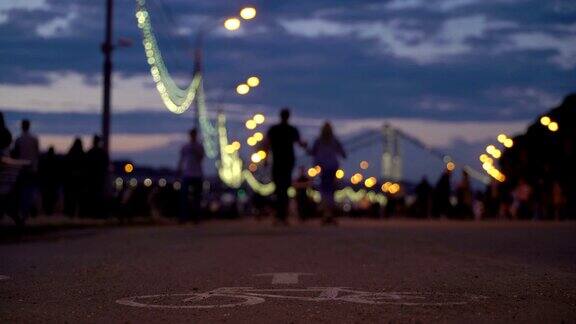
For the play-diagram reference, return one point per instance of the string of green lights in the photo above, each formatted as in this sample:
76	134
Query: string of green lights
175	99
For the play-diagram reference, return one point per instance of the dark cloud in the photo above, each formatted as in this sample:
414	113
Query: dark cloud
377	60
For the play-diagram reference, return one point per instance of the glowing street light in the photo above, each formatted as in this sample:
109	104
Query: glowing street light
490	149
339	174
242	89
553	126
128	167
545	120
486	159
508	143
253	81
450	166
502	138
248	13
356	178
370	182
258	136
386	186
394	188
251	124
232	24
364	165
251	141
255	158
259	119
312	172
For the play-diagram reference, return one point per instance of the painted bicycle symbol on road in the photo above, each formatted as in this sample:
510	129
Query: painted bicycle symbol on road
248	296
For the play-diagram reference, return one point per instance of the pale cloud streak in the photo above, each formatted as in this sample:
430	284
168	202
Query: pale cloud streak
434	5
71	92
6	5
564	46
57	27
393	37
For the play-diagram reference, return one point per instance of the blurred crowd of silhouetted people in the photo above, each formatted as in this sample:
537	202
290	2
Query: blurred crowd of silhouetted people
540	173
77	180
498	201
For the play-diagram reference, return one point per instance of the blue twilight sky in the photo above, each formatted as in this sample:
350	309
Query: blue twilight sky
453	73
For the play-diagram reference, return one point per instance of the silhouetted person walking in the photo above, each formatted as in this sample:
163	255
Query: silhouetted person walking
96	173
190	168
74	188
5	188
464	196
5	136
423	198
26	147
326	151
281	138
442	192
49	173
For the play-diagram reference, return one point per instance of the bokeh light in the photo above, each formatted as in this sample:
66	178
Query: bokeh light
553	126
232	23
253	81
128	167
259	118
258	136
312	172
251	141
242	89
250	124
248	13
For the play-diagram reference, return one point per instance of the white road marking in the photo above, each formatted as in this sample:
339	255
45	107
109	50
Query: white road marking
189	299
285	278
246	296
2	277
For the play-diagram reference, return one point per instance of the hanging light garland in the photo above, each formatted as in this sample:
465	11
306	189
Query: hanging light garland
177	100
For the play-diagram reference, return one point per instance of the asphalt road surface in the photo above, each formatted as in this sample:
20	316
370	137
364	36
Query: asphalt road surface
244	271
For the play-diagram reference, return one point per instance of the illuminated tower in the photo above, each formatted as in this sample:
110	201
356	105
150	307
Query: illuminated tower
391	154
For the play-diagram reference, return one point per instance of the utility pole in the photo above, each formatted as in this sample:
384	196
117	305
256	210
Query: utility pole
107	49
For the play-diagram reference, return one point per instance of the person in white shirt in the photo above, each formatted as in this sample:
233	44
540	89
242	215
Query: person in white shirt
327	150
190	170
26	147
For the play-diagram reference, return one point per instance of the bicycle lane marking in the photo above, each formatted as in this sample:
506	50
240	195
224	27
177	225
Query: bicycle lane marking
139	301
247	296
284	278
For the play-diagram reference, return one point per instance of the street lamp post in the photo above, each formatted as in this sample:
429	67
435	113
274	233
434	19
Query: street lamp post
107	49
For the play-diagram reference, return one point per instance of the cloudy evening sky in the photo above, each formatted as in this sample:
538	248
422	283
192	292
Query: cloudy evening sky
453	73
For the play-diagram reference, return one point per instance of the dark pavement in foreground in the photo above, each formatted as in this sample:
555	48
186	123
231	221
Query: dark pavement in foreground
398	271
